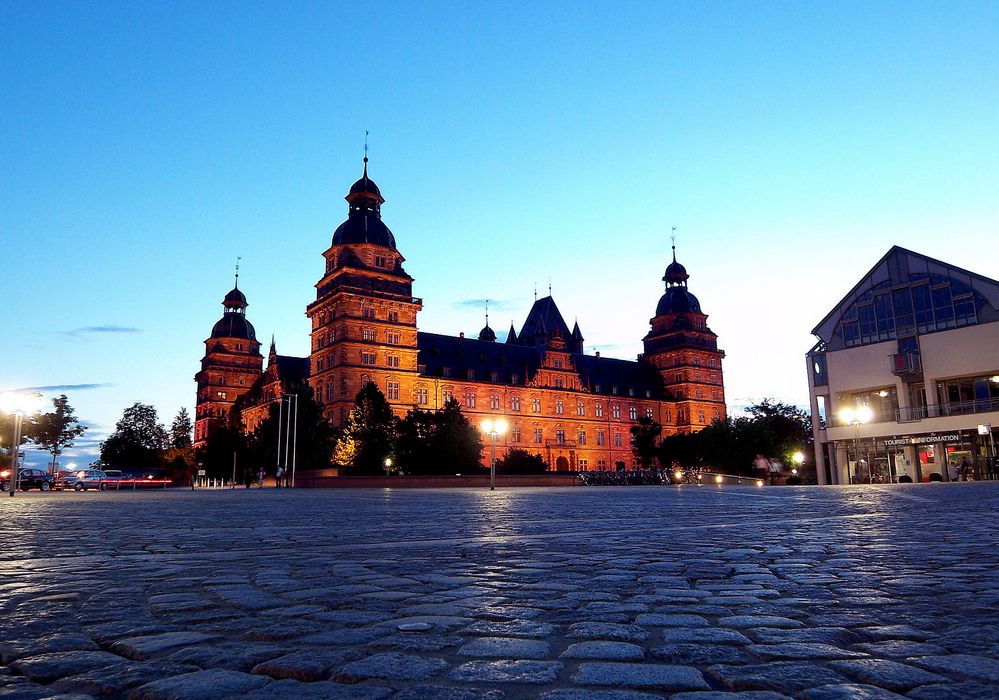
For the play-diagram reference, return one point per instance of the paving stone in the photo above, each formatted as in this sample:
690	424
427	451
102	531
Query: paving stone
977	668
821	635
520	672
789	677
73	641
505	648
707	634
721	695
619	651
150	645
438	692
802	651
307	664
407	641
48	667
899	648
511	628
666	620
607	630
895	632
234	657
850	691
886	674
120	629
113	681
688	654
745	621
967	690
659	676
583	694
393	666
279	690
200	685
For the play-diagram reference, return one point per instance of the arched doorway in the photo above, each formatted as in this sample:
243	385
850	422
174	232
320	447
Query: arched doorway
561	464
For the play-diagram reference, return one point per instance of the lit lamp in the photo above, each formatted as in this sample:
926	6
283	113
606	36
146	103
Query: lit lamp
18	404
388	465
798	458
856	417
493	428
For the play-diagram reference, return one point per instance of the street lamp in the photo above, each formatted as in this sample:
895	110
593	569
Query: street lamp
19	404
493	428
856	417
388	465
798	458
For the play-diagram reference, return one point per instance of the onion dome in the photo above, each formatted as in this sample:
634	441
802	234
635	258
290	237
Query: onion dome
233	323
487	333
675	272
364	219
235	299
677	300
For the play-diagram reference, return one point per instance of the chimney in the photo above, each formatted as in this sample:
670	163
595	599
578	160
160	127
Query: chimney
462	334
598	353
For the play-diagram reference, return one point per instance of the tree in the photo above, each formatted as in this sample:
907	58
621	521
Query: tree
313	437
370	431
521	462
56	431
438	442
181	429
789	427
644	440
138	440
28	427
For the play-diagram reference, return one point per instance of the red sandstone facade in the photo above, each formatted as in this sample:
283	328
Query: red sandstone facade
572	408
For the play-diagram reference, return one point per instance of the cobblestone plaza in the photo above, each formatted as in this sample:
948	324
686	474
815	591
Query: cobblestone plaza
589	593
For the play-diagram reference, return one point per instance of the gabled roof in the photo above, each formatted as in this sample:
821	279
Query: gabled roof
544	319
900	266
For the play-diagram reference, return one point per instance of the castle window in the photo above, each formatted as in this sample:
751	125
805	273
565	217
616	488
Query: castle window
614	390
494	402
393	316
559	384
392	391
469	400
700	416
631	391
422	369
494	376
699	394
616	411
601	437
446	371
648	393
538	437
368	358
343	386
536	405
601	464
239	346
697	362
379	261
367	312
580	408
514	403
222	395
711	362
319	363
392	361
632	413
584	465
581	437
514	379
515	434
329	391
558	364
422	396
471	374
598	408
392	338
240	381
368	335
617	440
447	395
560	437
559	407
648	413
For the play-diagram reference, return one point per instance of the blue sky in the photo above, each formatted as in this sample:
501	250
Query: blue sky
146	145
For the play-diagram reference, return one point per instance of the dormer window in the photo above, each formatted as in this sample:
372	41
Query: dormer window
379	261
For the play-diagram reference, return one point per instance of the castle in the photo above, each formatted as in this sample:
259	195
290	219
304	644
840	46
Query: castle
572	408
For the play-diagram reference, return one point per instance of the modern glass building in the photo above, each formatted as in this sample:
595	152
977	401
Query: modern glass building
904	378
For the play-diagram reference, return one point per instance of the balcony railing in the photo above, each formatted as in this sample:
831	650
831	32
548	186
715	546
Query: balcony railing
954	408
907	365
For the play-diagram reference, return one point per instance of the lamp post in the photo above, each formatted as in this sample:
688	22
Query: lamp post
856	417
388	465
493	428
19	405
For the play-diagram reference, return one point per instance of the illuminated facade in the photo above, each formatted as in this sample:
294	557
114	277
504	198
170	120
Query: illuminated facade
572	408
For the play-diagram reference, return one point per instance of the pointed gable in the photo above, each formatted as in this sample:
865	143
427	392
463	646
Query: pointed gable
906	294
543	323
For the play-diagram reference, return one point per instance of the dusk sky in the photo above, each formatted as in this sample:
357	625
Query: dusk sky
147	145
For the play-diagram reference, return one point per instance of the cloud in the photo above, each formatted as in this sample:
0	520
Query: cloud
64	387
107	328
480	304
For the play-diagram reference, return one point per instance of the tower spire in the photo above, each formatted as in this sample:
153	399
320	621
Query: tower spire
673	238
365	154
487	312
238	258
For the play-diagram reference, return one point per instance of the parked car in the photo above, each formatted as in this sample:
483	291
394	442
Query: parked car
29	479
85	479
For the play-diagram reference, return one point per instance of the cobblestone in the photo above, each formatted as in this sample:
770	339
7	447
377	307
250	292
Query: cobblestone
562	594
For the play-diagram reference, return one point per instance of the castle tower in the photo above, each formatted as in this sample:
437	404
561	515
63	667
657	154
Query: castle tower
364	316
685	352
231	363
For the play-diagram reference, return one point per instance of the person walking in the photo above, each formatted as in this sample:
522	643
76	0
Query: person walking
965	468
260	478
278	475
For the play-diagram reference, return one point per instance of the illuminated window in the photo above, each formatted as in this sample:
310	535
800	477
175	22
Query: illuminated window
599	410
580	408
392	361
494	402
581	437
536	405
601	437
632	413
538	436
615	411
617	440
469	400
515	434
648	413
422	396
392	391
515	403
368	358
559	407
560	437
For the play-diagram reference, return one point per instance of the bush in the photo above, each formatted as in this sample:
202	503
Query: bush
794	480
905	479
521	462
935	476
